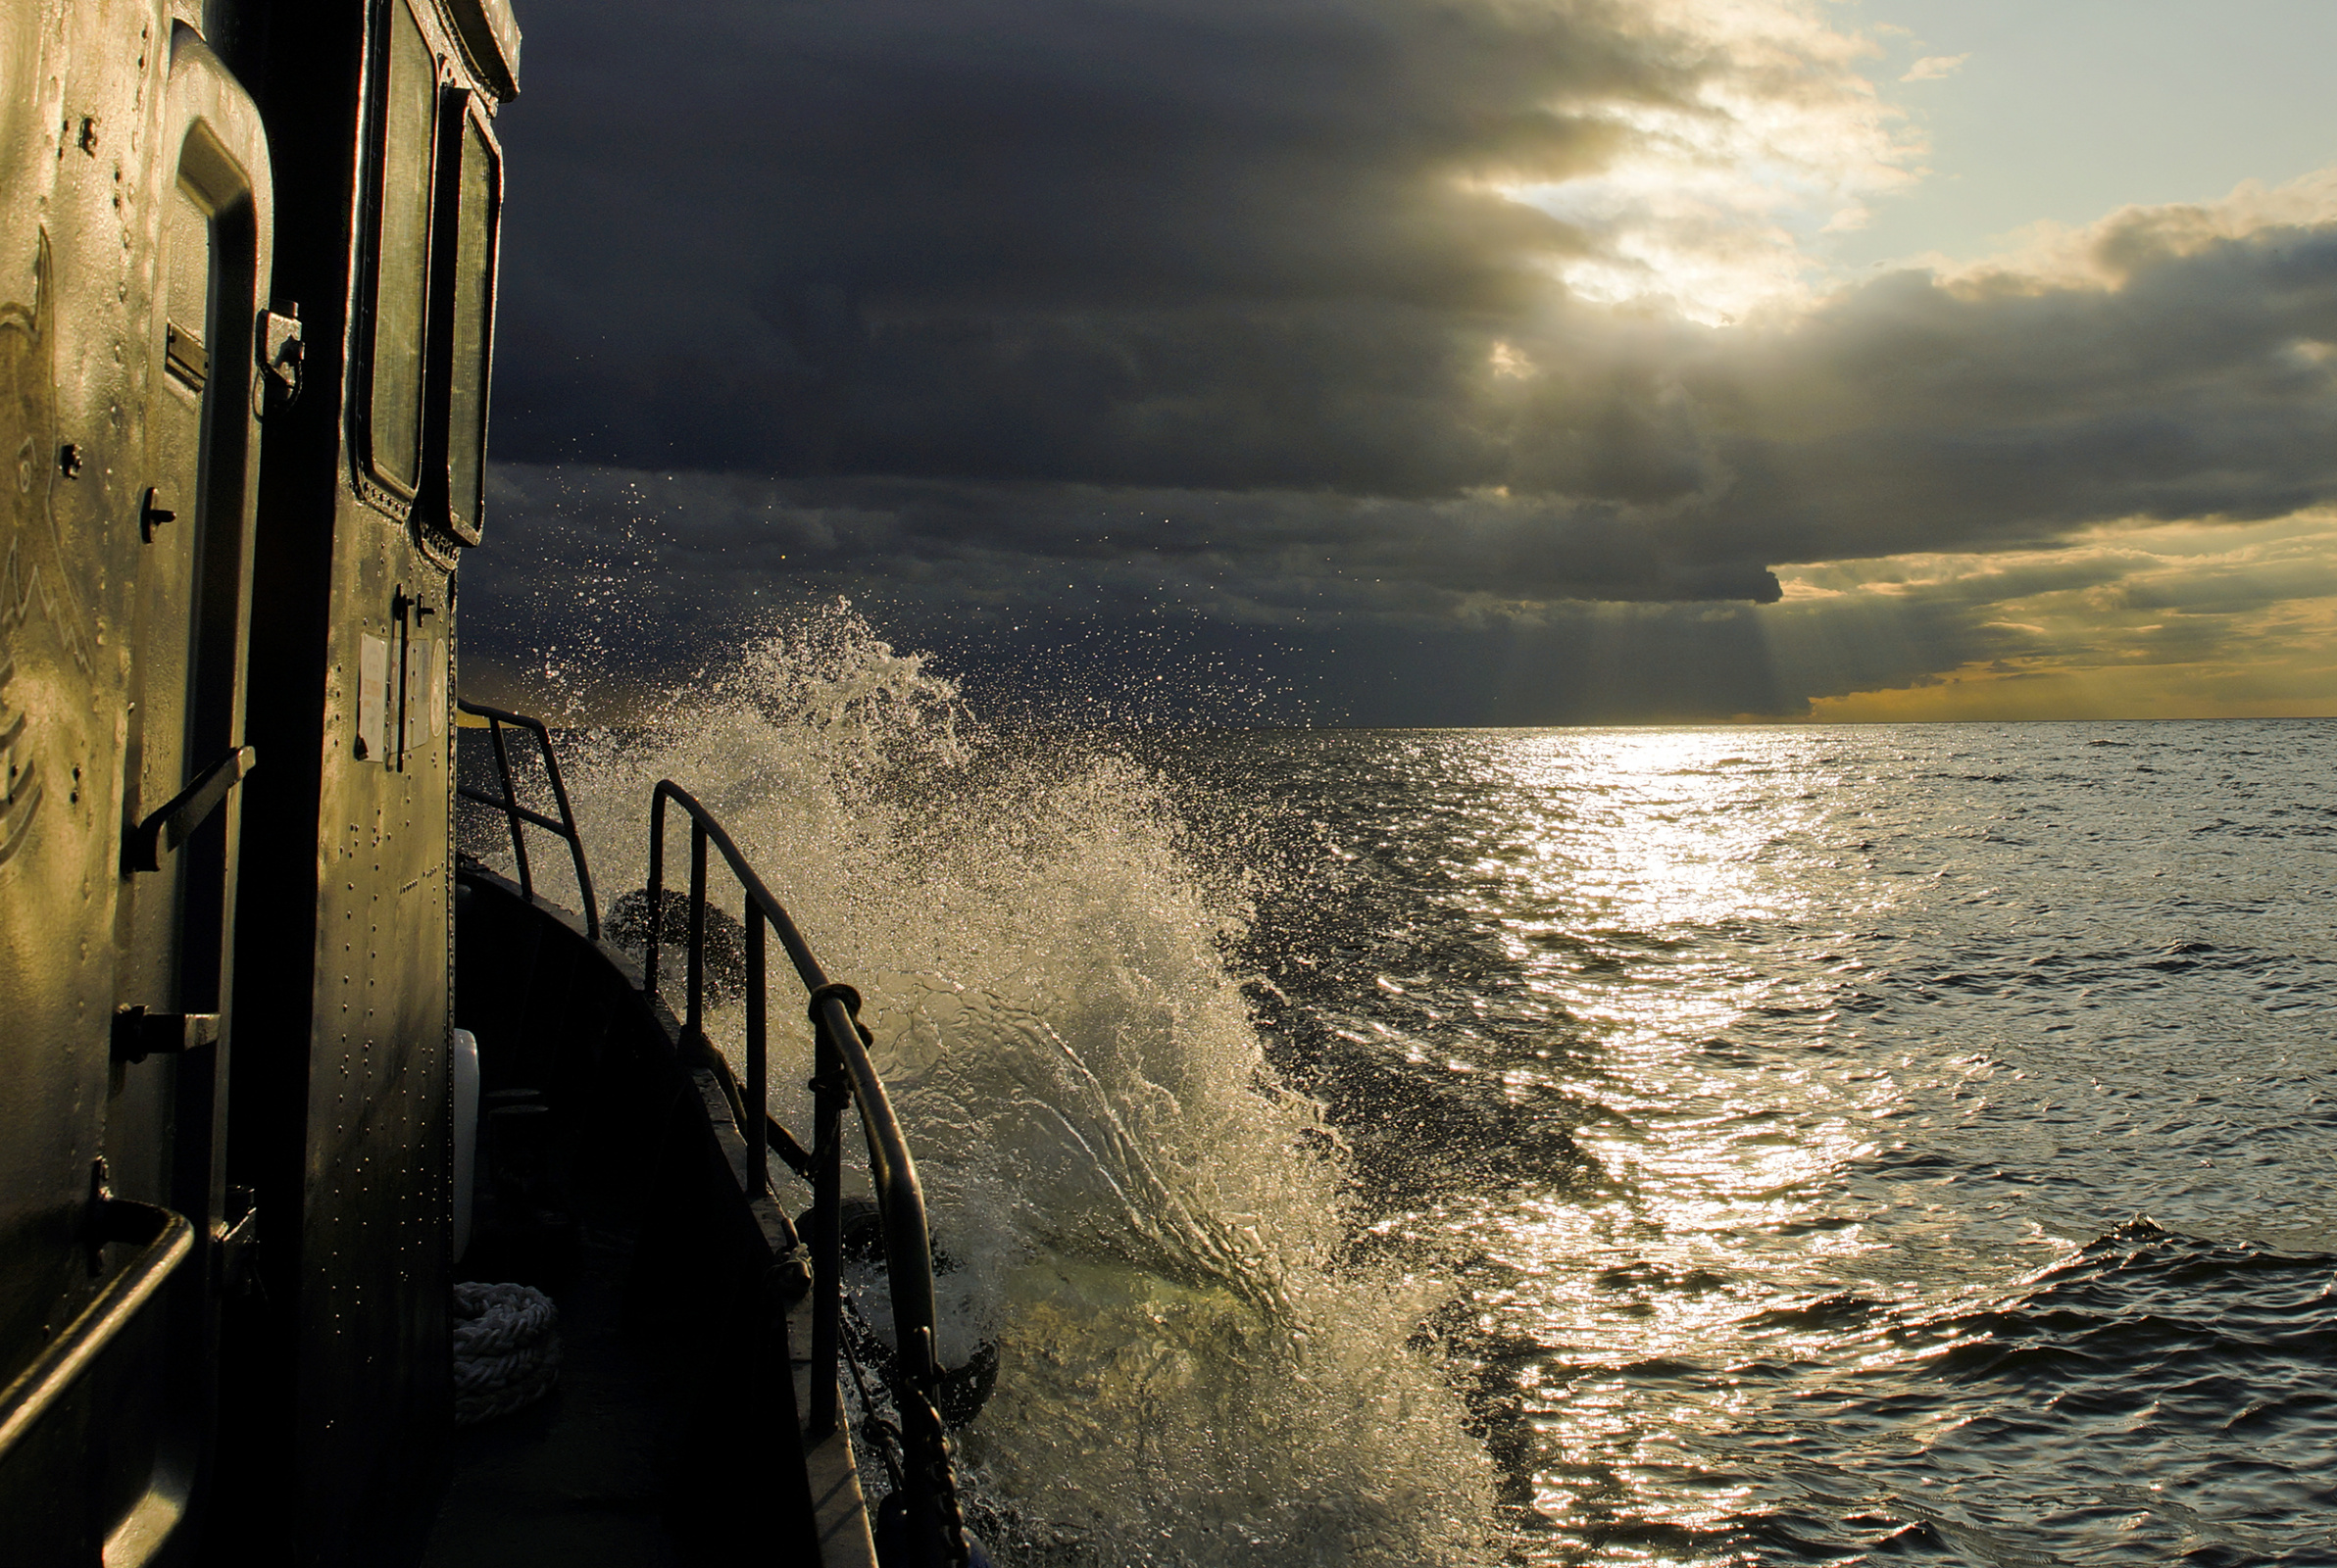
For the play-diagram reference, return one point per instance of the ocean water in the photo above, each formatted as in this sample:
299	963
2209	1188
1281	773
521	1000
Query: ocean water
1846	1142
1635	1146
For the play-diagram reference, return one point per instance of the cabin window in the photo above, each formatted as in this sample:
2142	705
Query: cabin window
472	331
401	263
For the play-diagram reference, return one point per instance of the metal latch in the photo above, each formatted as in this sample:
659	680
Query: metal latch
139	1033
281	353
186	357
409	682
152	514
238	1244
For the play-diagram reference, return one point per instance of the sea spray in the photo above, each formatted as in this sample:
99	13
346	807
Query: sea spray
1138	1213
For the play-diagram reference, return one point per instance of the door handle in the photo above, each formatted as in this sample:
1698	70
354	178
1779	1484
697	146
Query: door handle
168	1240
178	816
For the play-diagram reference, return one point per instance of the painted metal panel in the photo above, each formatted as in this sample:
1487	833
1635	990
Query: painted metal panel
131	271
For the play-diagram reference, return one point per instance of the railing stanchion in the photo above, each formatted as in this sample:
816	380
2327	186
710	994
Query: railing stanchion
828	1227
517	816
656	892
696	1022
842	1076
575	844
510	806
758	1127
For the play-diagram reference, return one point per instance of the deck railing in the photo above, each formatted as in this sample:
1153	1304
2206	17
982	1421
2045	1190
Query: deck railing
841	1072
518	816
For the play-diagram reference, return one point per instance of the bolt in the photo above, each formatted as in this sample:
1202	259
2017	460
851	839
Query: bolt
68	461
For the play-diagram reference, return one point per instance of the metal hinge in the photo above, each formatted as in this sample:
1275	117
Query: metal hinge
282	355
139	1034
238	1244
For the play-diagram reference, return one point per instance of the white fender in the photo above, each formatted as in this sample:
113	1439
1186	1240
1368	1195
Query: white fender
464	1074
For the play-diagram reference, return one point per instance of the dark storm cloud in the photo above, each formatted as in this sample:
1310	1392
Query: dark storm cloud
1009	313
1213	243
1234	247
1912	415
1270	547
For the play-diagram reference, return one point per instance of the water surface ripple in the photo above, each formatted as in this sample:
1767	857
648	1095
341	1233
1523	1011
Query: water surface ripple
1846	1144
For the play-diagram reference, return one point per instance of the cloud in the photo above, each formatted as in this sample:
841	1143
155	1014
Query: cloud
1933	67
1337	325
2137	621
2003	408
1212	241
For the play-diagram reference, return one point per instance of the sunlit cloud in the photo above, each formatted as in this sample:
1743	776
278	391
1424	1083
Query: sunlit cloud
1933	67
2106	253
1507	362
1706	203
2130	620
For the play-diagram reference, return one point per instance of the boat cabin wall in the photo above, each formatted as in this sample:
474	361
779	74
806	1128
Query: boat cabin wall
136	236
246	289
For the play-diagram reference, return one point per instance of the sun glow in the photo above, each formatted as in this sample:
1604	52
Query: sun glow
1709	205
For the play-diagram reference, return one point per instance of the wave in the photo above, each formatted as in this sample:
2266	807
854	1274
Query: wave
2150	1396
1148	1222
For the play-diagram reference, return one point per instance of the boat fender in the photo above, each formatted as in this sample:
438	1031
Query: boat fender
960	1391
724	956
466	1096
507	1349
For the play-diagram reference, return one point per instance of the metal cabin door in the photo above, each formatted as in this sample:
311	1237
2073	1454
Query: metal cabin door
166	1103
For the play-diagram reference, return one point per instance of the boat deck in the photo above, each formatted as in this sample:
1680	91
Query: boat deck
666	1439
579	1479
576	1480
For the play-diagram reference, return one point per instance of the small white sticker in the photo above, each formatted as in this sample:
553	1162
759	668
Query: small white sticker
372	698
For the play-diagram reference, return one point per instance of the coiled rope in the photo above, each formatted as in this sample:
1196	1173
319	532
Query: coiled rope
507	1349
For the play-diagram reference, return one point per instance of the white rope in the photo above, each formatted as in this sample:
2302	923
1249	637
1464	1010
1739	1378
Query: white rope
507	1349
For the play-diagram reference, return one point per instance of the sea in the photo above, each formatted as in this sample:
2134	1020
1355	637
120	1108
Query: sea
1636	1146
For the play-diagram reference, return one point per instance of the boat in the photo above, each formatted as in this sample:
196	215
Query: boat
294	1084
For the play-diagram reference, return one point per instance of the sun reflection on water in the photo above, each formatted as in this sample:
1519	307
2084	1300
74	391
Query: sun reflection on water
1717	1153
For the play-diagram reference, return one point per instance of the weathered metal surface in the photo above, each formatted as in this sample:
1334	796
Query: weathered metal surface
348	955
183	330
491	38
134	243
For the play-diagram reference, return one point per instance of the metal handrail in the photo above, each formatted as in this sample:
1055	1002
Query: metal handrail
841	1070
39	1387
174	821
516	815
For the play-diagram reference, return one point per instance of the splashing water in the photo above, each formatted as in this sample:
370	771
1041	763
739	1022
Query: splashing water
1146	1222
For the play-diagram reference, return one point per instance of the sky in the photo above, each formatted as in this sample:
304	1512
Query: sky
1429	361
